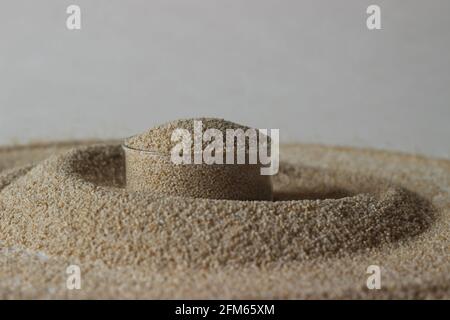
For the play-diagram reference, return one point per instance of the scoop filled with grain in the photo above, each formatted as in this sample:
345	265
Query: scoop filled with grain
204	163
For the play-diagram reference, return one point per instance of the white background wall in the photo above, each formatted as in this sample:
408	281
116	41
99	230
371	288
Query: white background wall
310	68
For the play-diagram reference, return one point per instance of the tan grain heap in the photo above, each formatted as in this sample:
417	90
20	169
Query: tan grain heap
337	211
158	139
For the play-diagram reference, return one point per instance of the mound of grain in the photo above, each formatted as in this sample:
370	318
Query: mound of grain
413	266
158	139
74	205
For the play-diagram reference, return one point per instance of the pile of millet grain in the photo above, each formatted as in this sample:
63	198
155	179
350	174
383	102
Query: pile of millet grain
158	139
338	211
